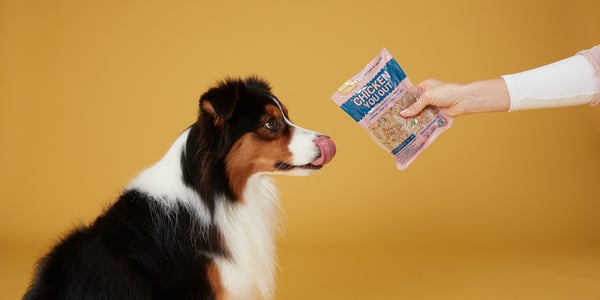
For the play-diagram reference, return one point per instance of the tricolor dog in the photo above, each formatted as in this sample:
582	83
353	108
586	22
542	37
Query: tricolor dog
199	223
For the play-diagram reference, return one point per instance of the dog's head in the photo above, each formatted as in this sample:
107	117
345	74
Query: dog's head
243	129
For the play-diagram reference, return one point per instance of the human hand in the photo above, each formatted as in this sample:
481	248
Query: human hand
446	96
455	99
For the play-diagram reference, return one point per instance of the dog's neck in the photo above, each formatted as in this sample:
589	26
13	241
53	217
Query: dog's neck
163	181
247	227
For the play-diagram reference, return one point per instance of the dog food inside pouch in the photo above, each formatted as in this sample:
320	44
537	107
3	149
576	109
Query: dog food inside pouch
375	97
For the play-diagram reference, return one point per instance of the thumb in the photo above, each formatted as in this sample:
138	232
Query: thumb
422	101
413	109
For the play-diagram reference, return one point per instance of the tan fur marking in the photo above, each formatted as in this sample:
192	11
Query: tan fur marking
257	151
214	278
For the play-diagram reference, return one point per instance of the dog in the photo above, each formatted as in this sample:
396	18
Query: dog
199	223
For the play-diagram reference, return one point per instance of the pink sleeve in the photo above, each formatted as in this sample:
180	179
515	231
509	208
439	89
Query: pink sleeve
593	55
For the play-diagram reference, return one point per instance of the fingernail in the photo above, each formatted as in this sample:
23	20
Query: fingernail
405	112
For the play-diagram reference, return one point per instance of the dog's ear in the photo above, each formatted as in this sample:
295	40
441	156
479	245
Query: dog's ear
220	102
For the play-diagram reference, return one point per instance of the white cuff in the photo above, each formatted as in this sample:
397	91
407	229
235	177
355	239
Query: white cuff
571	81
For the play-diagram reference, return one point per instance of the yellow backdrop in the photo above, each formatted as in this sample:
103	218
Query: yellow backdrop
501	206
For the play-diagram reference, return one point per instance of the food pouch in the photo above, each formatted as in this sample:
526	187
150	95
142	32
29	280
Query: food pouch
375	97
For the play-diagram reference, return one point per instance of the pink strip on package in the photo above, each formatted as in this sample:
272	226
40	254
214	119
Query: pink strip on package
375	97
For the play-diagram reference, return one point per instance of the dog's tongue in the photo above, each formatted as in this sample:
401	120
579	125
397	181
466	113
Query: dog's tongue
327	147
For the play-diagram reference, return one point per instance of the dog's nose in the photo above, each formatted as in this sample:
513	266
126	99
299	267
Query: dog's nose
327	147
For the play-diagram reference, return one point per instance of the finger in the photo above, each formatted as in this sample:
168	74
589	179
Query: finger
413	109
418	106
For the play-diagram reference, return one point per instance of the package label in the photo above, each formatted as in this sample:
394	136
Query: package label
375	97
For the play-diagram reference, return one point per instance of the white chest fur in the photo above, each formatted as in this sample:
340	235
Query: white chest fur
248	229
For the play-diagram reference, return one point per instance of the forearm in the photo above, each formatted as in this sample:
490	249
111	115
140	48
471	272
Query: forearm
571	81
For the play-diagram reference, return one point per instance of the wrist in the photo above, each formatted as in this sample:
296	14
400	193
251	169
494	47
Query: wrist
486	96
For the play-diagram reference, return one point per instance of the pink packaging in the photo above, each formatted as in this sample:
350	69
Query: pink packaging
375	97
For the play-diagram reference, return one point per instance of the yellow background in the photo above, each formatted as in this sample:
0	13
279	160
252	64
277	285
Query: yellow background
501	206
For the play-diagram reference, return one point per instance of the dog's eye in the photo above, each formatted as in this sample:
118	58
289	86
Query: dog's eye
272	124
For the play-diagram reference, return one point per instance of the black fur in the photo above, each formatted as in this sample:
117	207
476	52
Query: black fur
138	249
238	103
